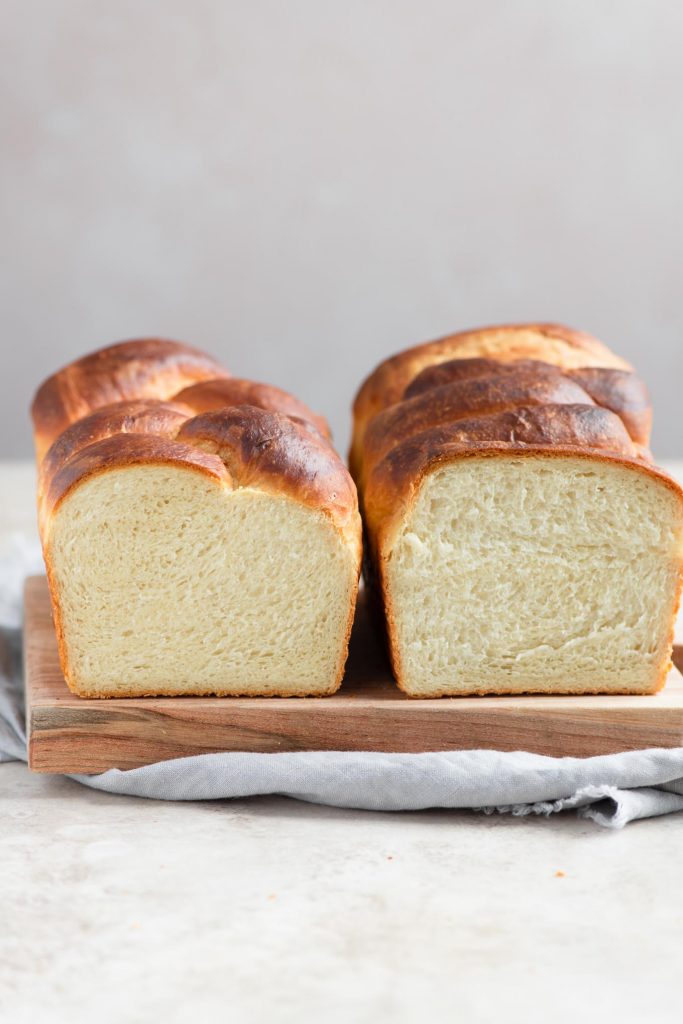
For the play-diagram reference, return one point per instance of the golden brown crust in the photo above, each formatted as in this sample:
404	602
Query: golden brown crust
454	370
504	388
622	391
209	395
152	368
551	343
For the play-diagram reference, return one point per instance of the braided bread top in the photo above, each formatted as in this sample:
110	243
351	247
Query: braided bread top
556	344
283	448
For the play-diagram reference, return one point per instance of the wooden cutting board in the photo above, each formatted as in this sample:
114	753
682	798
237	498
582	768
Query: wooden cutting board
71	734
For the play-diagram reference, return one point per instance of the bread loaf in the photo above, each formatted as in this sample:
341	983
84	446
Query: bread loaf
186	554
520	539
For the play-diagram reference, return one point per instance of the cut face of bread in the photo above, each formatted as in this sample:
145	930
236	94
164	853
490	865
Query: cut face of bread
533	573
171	580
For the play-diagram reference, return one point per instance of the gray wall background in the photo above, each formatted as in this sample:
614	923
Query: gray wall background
305	187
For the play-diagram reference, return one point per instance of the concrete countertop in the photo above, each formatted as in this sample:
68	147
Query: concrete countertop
123	910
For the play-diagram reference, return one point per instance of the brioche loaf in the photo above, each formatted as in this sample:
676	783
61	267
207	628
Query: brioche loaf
519	537
216	553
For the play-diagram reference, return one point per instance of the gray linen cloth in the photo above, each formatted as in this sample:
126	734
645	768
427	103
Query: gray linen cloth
611	790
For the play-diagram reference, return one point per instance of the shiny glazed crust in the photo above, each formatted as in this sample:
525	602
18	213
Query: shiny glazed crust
217	394
501	390
622	391
551	343
149	368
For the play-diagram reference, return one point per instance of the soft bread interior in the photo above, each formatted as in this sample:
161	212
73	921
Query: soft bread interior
171	582
535	574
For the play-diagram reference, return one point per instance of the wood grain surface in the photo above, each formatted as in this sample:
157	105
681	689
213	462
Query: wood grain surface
71	734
